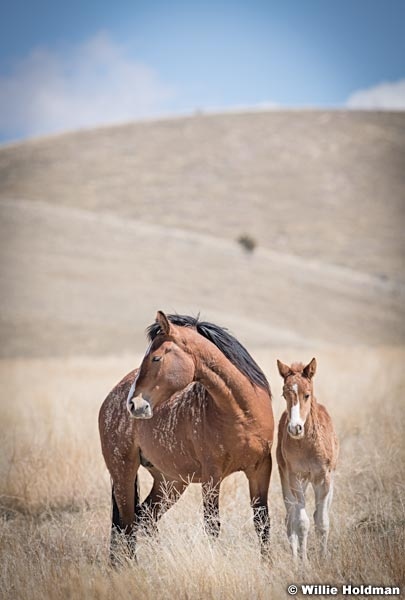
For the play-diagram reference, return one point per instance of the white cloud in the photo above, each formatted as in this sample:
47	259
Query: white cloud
93	83
385	96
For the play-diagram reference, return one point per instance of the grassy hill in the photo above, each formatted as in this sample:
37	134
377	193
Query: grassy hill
100	228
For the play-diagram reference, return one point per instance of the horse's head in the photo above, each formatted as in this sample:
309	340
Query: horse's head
167	368
298	392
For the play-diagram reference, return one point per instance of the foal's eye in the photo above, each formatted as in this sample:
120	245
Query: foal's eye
307	396
156	358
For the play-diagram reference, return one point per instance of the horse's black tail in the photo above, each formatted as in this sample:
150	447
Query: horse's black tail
115	514
136	499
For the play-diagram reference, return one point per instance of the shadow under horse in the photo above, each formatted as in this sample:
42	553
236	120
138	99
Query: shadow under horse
197	409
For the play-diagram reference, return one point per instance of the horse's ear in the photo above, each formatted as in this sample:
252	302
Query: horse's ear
163	322
310	369
283	369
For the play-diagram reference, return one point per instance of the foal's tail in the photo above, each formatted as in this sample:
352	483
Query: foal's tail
115	516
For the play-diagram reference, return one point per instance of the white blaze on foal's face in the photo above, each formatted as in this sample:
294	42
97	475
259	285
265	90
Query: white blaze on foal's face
295	417
298	402
296	424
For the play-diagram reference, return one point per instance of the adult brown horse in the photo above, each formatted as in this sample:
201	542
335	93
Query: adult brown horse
198	409
307	451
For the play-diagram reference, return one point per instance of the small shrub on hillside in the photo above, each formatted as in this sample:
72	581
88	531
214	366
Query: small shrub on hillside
247	242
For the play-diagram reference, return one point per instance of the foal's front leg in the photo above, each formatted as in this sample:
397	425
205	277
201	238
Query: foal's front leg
289	502
298	486
323	499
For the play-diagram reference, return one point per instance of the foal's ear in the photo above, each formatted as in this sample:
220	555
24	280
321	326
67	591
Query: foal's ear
163	322
310	369
283	369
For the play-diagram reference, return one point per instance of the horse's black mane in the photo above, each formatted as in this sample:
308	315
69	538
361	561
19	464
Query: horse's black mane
223	340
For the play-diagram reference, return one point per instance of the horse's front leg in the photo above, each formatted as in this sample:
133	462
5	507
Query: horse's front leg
298	487
210	494
323	499
259	480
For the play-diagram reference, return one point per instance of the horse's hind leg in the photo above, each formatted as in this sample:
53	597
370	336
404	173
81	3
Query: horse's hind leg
259	480
163	495
210	494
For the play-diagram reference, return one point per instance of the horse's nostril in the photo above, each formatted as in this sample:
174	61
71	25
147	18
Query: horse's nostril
299	428
130	405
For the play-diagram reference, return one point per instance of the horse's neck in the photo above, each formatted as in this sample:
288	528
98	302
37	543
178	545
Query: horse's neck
229	388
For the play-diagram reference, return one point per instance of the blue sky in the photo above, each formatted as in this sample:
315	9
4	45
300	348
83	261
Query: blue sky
80	64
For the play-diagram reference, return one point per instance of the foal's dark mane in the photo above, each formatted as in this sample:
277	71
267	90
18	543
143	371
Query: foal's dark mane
224	341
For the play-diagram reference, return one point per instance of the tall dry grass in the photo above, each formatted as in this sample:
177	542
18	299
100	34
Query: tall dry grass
55	497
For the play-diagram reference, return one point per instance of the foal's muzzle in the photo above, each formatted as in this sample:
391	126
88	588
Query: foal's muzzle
295	431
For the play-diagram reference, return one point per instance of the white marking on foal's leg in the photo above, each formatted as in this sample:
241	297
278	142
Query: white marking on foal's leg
290	502
290	505
293	540
302	527
301	520
330	495
323	500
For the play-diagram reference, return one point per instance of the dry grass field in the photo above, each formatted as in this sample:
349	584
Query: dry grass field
101	228
55	496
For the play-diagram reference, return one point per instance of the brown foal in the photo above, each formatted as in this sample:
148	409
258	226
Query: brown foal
307	451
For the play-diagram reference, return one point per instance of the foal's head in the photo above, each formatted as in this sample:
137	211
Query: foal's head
167	368
298	392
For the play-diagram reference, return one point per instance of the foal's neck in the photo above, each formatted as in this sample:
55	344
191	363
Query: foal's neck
312	420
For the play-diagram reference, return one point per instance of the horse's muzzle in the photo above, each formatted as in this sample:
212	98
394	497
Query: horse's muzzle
139	408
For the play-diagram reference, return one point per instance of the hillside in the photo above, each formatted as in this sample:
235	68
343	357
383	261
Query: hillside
101	228
98	230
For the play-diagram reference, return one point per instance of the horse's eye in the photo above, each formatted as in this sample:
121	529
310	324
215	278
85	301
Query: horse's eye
307	396
156	358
